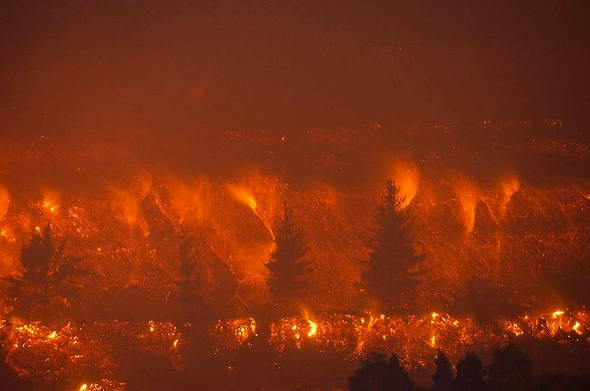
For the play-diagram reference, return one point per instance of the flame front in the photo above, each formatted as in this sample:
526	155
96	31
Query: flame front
407	178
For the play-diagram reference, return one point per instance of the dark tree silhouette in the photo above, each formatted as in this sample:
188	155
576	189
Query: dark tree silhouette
378	374
287	266
511	367
391	276
48	289
470	373
443	375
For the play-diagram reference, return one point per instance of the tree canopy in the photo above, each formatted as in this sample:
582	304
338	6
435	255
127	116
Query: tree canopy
392	272
287	266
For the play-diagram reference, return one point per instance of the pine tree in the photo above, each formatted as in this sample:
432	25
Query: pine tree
391	276
511	366
376	373
443	375
47	289
470	373
287	267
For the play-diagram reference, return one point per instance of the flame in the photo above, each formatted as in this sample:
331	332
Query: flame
313	328
243	195
83	387
189	200
468	194
509	186
407	178
515	328
50	203
557	313
576	328
129	198
4	202
432	341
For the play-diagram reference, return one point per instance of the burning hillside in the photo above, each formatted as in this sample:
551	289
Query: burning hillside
167	254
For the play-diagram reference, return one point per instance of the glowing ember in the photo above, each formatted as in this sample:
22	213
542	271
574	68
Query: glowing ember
557	313
313	328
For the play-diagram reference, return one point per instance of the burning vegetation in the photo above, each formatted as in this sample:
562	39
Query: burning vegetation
199	266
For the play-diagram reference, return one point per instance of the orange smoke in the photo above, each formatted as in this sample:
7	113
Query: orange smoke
407	178
509	186
189	201
129	199
50	203
468	194
243	195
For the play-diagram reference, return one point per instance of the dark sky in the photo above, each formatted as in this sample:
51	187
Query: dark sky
197	66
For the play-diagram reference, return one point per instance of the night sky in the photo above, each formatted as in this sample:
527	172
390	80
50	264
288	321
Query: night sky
179	66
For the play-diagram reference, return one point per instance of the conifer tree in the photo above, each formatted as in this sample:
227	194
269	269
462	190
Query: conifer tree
376	373
470	373
391	275
443	375
287	266
511	366
47	289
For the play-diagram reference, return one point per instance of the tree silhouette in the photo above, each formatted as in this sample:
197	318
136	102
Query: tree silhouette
47	290
391	276
470	373
511	366
378	374
443	375
287	267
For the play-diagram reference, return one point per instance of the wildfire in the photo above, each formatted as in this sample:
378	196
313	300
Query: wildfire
576	328
407	178
4	202
243	195
509	186
557	313
468	195
313	328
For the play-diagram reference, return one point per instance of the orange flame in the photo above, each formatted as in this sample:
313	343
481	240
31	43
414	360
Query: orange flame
130	199
50	203
407	178
509	186
468	195
4	201
243	195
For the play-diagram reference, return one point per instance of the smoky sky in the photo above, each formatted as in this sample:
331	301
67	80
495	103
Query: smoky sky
205	66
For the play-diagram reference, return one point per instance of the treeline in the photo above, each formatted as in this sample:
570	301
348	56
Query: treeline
510	370
53	287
